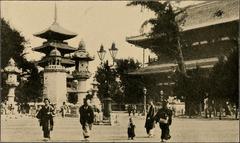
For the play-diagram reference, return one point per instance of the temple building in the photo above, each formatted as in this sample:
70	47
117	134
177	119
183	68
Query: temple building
59	56
211	30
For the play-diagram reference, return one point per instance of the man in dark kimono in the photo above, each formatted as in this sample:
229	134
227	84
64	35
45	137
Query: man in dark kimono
164	117
45	116
86	118
149	124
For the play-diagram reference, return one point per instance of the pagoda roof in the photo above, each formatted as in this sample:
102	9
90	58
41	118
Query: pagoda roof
171	67
66	62
56	32
199	16
63	47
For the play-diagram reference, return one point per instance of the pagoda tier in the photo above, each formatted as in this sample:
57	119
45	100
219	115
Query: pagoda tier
66	62
55	32
48	46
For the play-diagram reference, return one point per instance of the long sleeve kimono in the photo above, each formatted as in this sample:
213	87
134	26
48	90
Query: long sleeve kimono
45	116
149	124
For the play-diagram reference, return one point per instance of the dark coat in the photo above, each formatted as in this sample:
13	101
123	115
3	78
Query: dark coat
45	116
86	114
164	113
131	131
150	118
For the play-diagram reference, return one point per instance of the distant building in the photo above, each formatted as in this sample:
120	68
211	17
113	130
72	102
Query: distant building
210	31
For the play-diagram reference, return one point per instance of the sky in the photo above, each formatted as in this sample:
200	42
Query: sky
95	22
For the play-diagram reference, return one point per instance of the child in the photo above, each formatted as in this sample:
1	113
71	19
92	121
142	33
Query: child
131	132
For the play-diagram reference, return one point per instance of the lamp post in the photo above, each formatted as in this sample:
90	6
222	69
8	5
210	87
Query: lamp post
107	100
144	100
101	54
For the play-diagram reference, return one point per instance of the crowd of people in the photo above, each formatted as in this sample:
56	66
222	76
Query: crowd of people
163	116
11	110
46	113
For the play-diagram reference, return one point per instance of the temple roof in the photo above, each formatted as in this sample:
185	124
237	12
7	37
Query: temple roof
211	13
64	48
55	32
201	16
171	67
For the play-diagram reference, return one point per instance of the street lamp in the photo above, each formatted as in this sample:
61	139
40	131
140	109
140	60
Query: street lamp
113	52
107	101
144	100
101	53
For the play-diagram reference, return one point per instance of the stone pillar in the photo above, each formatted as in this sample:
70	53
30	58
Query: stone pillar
107	108
11	96
82	91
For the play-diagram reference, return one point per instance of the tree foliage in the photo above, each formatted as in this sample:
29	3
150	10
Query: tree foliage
192	89
166	28
12	46
132	85
108	86
224	79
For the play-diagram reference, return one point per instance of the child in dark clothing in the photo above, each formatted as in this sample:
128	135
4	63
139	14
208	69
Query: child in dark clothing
131	131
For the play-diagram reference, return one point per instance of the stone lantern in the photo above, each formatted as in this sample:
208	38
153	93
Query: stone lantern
12	72
81	72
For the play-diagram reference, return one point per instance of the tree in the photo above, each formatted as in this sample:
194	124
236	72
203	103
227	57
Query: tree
108	86
13	45
165	27
233	79
132	85
191	90
224	80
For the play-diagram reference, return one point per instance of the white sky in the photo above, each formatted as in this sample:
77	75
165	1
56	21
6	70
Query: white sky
98	22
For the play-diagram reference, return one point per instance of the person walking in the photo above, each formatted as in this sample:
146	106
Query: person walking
45	116
134	109
164	117
86	118
64	109
131	129
150	123
129	109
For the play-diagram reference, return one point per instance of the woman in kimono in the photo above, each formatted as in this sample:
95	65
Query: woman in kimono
45	116
86	118
164	117
150	123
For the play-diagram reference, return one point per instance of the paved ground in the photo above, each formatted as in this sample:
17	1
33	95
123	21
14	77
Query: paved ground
26	129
